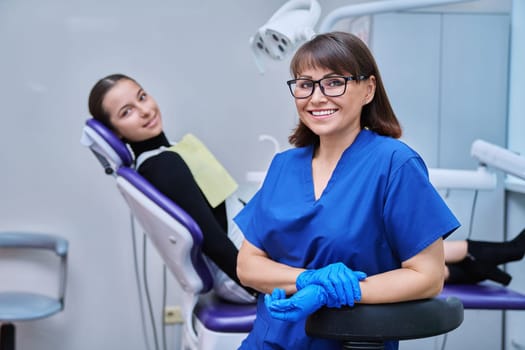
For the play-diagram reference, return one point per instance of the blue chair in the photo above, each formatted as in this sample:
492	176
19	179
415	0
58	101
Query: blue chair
17	306
209	322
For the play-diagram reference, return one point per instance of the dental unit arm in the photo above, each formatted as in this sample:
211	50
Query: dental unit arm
480	179
499	158
375	7
488	155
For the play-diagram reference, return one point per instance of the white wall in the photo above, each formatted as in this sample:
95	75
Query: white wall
193	57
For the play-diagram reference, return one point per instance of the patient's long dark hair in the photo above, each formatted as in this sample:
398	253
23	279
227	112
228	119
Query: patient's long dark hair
97	94
345	53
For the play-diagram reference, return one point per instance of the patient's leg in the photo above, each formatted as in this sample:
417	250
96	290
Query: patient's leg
495	253
455	251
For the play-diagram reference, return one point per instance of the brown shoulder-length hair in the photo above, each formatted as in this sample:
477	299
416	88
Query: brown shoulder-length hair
98	93
344	53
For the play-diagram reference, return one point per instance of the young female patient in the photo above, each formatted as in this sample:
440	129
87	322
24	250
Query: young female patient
121	104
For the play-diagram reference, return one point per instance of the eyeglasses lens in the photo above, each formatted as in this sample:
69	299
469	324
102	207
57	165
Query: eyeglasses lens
332	86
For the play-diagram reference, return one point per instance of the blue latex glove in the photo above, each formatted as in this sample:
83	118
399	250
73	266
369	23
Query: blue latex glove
299	306
340	283
277	294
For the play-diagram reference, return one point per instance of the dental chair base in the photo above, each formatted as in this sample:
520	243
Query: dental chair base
218	324
210	340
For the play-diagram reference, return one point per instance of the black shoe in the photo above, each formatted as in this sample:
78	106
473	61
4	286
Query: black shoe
470	271
498	253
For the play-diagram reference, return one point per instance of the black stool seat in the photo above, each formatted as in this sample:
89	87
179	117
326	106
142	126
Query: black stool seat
369	326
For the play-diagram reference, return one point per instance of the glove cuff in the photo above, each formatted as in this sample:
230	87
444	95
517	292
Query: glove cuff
301	280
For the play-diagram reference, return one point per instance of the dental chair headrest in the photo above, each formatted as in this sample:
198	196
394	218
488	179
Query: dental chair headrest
104	143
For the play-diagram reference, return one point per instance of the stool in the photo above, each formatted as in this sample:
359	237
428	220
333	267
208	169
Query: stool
368	326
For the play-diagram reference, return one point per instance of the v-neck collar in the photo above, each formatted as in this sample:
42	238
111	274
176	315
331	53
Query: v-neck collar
361	138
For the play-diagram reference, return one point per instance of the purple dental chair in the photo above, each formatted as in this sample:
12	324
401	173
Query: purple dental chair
209	322
485	296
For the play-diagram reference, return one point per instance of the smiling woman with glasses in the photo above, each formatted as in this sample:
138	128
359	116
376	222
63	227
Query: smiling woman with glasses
348	215
330	86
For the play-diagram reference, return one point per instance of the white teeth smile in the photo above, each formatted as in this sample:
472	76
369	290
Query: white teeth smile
323	112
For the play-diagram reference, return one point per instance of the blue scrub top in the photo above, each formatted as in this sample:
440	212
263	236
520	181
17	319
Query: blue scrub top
377	210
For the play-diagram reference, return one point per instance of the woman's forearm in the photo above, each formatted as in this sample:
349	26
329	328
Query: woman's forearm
399	285
257	271
420	277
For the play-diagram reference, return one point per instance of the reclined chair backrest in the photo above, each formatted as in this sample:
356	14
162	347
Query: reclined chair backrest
107	147
175	235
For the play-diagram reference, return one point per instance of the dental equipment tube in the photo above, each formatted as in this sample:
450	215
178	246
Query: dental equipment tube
374	7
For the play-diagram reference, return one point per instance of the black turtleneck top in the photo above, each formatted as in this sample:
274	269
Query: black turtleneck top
168	172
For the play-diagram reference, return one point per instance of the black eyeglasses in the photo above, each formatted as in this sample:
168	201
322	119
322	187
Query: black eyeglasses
331	86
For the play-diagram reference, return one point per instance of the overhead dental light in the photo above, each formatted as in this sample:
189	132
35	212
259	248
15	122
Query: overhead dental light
292	24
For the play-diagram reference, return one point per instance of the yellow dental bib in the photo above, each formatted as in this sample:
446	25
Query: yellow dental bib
214	181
